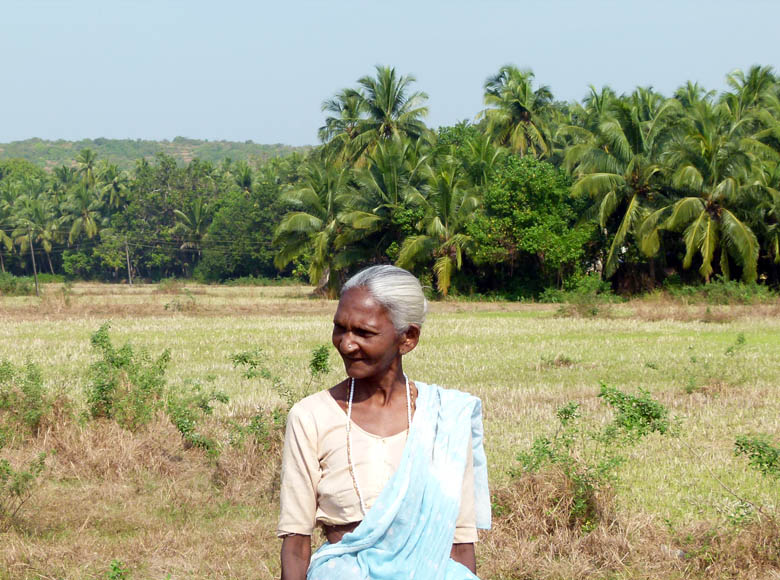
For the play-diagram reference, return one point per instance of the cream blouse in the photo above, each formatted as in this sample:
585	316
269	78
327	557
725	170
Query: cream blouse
317	487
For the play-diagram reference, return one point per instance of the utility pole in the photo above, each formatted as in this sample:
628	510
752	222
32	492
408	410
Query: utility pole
35	270
127	255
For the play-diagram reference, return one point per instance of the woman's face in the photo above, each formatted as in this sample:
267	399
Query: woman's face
365	336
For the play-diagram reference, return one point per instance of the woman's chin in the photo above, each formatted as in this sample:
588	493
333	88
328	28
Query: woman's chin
357	370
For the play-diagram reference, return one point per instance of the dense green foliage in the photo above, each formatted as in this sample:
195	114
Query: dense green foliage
638	189
125	152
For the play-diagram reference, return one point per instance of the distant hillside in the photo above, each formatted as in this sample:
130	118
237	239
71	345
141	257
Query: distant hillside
124	152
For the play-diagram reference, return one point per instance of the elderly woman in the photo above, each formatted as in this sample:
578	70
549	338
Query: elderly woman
392	469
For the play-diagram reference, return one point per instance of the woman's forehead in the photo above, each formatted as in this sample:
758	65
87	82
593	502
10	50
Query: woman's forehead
360	302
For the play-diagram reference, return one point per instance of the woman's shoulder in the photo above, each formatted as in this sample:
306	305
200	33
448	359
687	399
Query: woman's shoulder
313	404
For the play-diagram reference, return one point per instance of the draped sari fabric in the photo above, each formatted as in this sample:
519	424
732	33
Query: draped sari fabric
408	532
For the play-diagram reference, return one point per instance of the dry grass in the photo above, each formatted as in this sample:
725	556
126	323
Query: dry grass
145	499
533	537
667	309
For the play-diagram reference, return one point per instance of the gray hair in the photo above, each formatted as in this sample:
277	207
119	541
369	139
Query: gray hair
397	290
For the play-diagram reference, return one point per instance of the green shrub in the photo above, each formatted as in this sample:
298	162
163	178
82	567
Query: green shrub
76	264
117	571
23	399
17	485
762	455
186	406
589	457
50	278
585	296
125	385
11	285
635	415
24	403
721	291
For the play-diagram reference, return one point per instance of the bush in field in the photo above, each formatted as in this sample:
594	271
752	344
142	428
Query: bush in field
589	457
129	387
265	426
24	404
762	455
584	296
11	285
17	485
23	400
187	406
125	385
720	291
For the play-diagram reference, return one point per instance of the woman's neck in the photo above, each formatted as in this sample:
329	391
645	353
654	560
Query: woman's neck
381	390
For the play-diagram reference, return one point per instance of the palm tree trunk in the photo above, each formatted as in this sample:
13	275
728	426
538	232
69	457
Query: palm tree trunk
35	269
51	268
2	263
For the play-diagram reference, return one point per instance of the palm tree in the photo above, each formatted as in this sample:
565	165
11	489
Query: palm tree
692	93
194	223
712	164
618	167
7	198
113	183
750	90
480	159
381	109
448	207
85	161
516	112
36	221
347	111
764	199
390	110
243	176
83	207
315	225
393	180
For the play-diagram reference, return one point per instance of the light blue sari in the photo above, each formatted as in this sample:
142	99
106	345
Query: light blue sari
408	532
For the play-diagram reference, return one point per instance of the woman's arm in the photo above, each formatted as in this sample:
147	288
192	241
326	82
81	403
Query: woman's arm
296	552
464	554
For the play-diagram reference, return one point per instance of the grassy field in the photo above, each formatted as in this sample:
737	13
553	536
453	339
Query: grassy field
143	505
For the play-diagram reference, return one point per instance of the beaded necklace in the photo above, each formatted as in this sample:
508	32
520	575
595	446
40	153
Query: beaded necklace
349	435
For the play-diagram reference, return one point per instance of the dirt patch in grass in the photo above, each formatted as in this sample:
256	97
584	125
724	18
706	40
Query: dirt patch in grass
57	310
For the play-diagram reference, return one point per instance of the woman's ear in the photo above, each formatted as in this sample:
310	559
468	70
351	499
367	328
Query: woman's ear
409	339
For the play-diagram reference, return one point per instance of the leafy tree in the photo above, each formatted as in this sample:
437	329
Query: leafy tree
525	233
238	240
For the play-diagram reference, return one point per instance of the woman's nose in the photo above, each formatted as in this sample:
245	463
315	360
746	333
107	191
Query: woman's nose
348	345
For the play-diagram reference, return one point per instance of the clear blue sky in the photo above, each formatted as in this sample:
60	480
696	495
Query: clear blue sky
237	70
